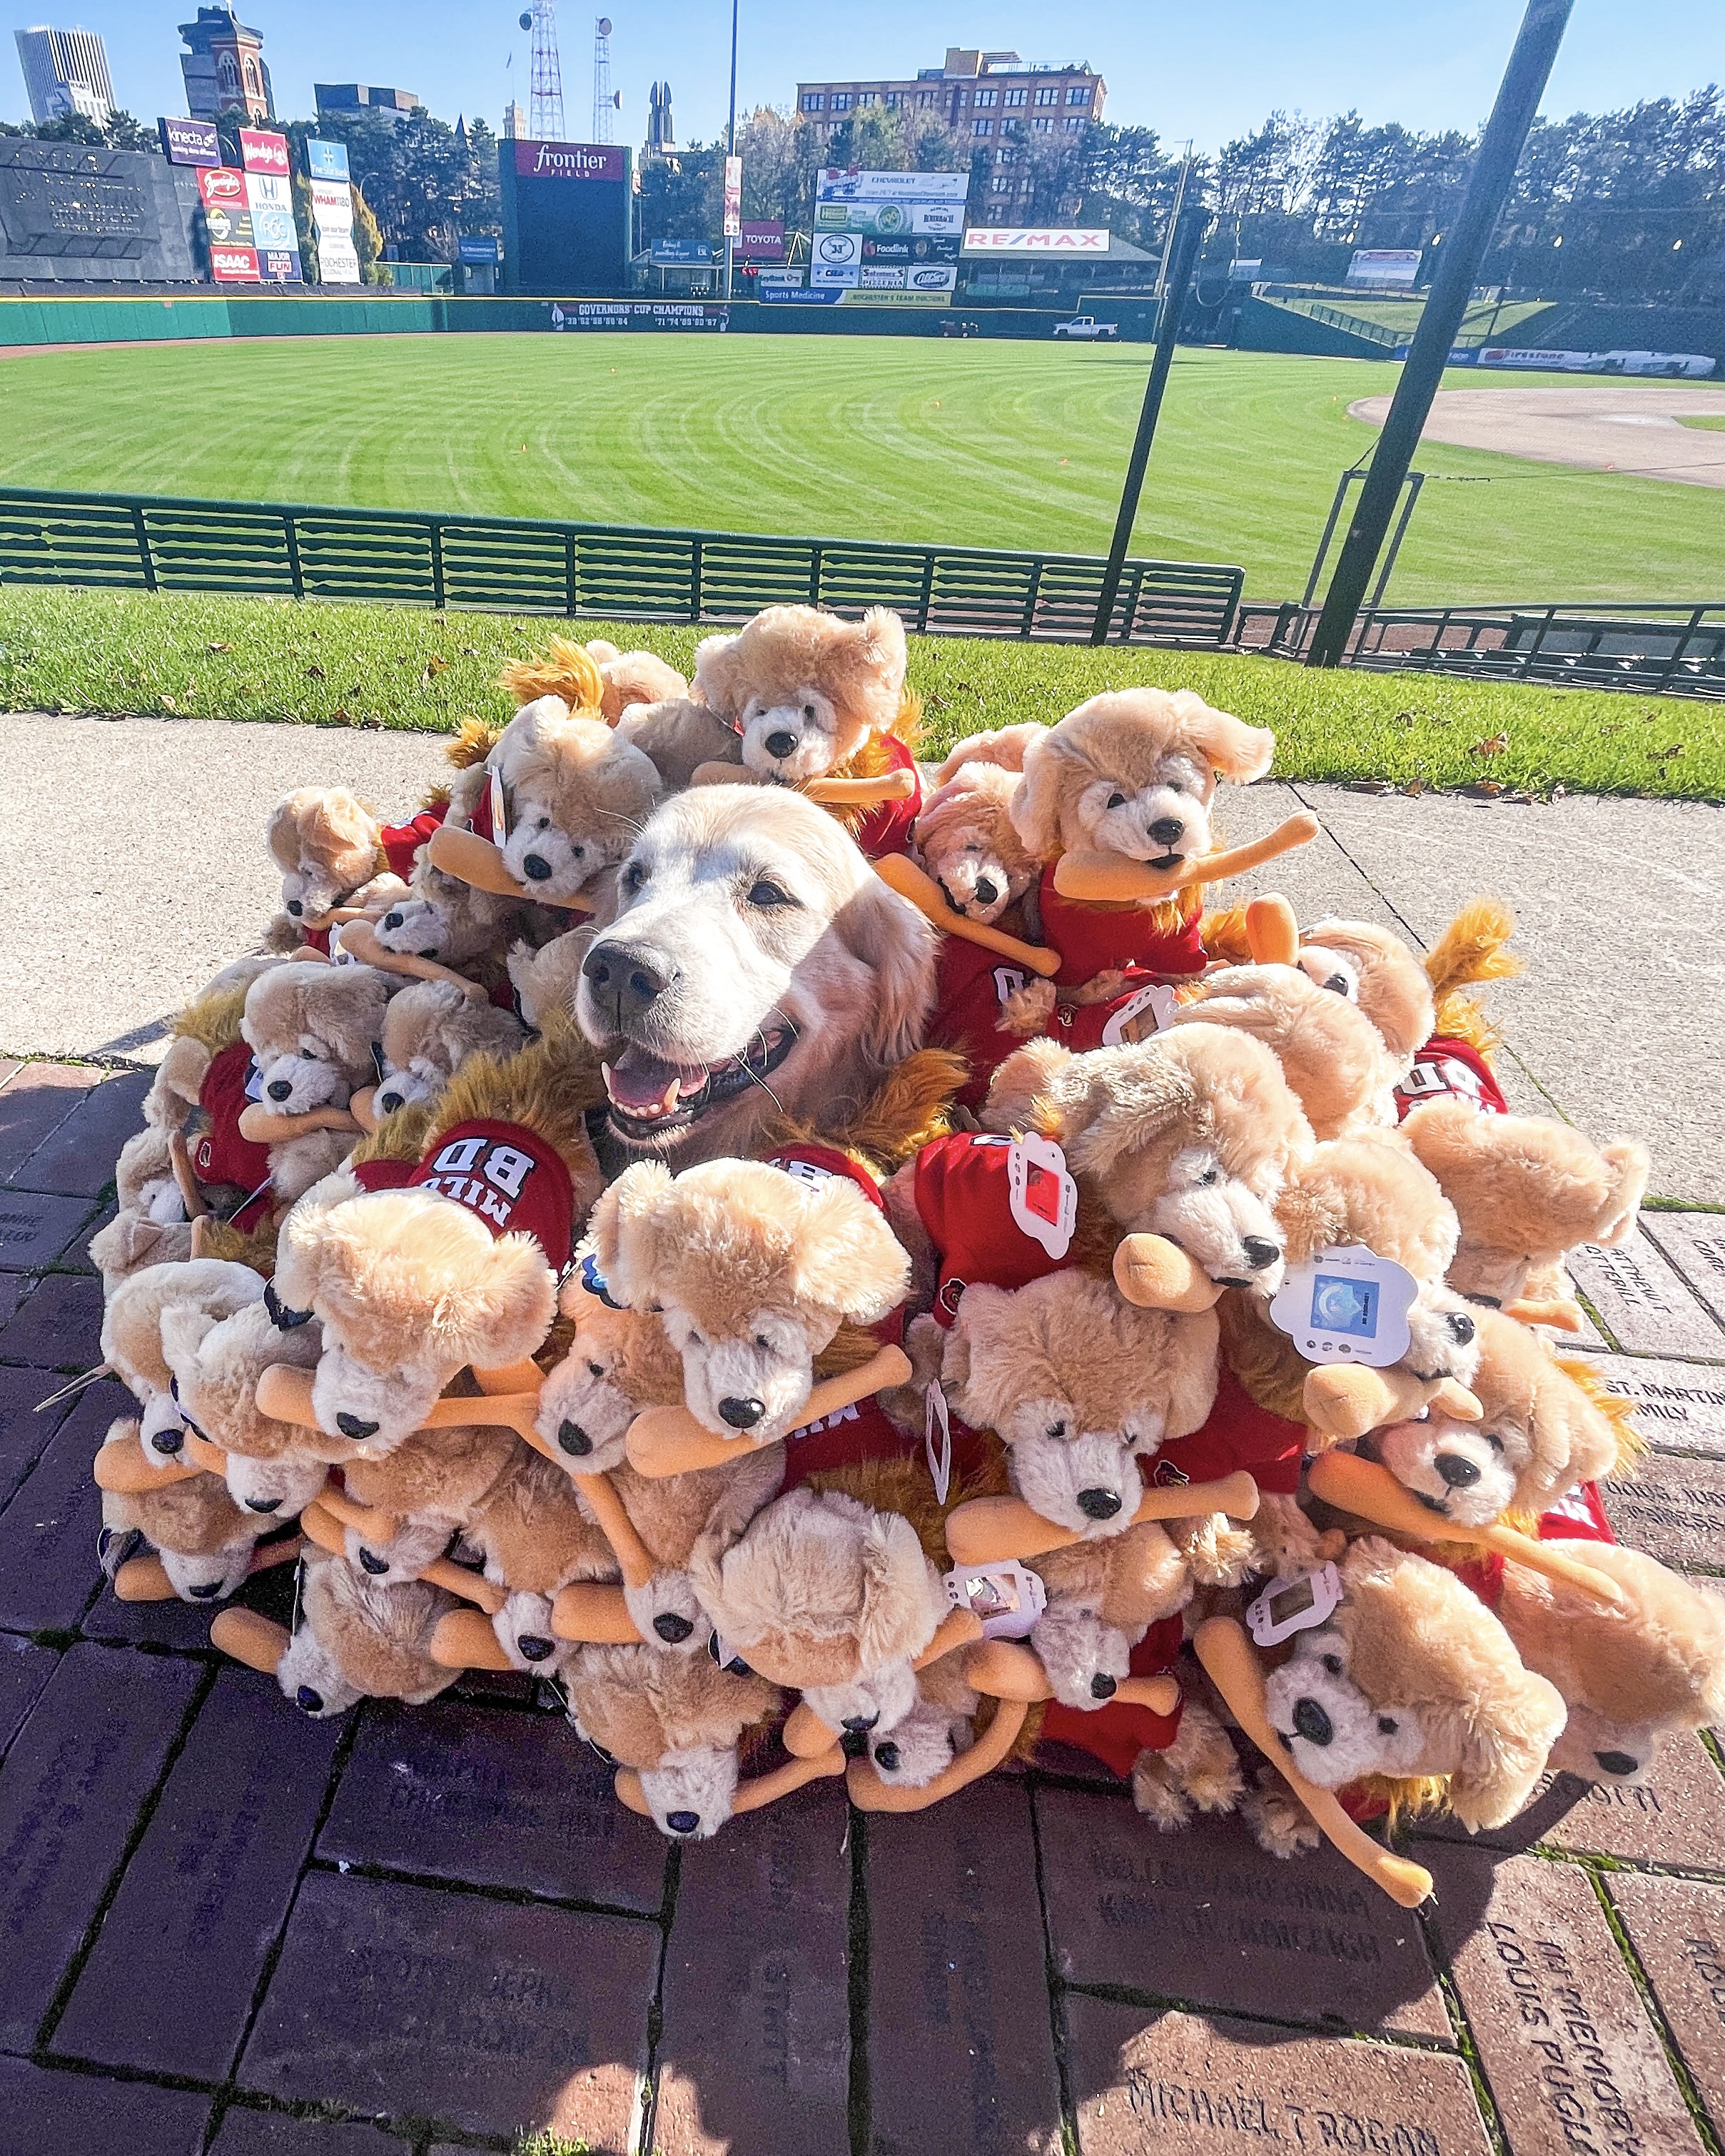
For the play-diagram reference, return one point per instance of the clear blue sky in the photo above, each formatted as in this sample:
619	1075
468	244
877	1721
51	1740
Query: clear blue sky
1209	71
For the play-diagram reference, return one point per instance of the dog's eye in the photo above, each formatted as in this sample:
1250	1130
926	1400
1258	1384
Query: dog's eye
1388	1725
577	850
545	823
765	894
597	1368
1339	982
1495	1443
764	1343
1116	801
1332	1663
1057	1429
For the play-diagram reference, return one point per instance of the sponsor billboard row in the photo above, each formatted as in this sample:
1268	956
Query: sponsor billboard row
1385	265
890	205
1035	239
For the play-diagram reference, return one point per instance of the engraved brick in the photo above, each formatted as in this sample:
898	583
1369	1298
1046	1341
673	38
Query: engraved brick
34	1229
1209	2086
25	1669
81	1767
1207	1916
48	1533
1695	1244
42	2113
58	1326
34	1101
78	1158
206	1891
1678	1406
1644	1303
1677	1928
493	1798
1672	1509
755	2051
486	2016
24	1432
1572	2061
280	2133
1676	1816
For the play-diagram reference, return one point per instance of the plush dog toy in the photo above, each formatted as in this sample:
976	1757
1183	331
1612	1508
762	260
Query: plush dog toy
965	838
131	1330
204	1545
335	858
272	1468
627	678
313	1032
150	1225
357	1639
429	1030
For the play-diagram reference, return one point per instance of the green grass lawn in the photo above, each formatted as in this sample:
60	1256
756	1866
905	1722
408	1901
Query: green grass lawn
384	666
1483	319
989	443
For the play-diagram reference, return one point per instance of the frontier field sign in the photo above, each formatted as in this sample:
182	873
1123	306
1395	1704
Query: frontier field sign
566	216
889	205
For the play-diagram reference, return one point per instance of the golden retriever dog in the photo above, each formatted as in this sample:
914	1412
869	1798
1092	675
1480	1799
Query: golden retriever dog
756	967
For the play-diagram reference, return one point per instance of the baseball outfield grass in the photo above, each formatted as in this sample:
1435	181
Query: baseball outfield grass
988	443
390	666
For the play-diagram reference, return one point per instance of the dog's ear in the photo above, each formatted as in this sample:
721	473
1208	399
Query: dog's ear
972	1367
898	1615
1020	1096
340	835
717	674
1230	746
1508	1729
1574	1439
1630	1168
623	1229
1035	807
282	833
848	1259
890	936
1118	1099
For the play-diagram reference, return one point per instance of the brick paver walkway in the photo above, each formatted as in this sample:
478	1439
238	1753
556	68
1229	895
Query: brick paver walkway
224	1927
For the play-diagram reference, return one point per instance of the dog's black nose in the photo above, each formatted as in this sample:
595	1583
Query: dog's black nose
207	1593
537	867
1102	1686
535	1648
886	1756
627	979
263	1504
393	919
311	1701
986	892
350	1425
1312	1723
1167	829
572	1438
1461	1328
860	1724
672	1629
1098	1504
1459	1473
278	1089
294	908
742	1414
1260	1253
682	1822
369	1561
1617	1763
781	745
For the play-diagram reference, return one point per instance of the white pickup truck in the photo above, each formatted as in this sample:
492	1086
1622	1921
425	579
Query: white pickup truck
1086	325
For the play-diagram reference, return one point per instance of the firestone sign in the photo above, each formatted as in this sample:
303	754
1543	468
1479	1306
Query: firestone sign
568	160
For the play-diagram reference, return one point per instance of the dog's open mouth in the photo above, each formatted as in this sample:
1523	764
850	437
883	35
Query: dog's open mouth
650	1098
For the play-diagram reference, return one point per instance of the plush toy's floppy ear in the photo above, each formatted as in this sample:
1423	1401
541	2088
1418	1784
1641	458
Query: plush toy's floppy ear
1509	1734
345	1006
715	672
340	835
1022	1092
621	1229
1117	1100
883	646
898	1613
848	1259
184	1326
1239	751
500	1313
888	934
1630	1168
972	1369
1575	1437
1035	807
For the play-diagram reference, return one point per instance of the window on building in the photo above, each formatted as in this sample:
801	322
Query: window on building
928	99
814	102
986	96
227	75
890	98
1001	187
1014	97
1075	127
841	100
866	97
1047	95
981	127
1010	125
1078	95
1043	126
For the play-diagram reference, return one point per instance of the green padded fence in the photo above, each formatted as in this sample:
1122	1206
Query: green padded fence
510	565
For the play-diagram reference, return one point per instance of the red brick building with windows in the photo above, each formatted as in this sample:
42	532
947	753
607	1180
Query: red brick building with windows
992	98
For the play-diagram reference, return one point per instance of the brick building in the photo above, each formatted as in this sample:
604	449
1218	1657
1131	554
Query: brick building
994	99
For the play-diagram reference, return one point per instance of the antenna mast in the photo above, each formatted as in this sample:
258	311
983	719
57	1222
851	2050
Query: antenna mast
604	105
547	90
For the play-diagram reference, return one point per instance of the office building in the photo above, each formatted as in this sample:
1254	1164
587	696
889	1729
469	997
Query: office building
336	98
65	71
224	70
515	121
995	99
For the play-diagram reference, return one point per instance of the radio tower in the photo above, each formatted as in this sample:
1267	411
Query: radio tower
604	104
547	90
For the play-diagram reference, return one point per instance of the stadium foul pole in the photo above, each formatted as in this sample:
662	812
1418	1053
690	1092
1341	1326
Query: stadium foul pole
1524	80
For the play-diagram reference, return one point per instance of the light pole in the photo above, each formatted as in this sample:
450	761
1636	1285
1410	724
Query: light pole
730	151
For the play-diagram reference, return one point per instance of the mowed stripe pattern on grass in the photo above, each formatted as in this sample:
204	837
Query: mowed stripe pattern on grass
989	443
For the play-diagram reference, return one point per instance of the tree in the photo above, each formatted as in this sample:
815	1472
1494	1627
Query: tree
118	131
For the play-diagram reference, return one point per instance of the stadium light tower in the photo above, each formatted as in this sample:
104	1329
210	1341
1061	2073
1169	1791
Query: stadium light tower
604	103
546	95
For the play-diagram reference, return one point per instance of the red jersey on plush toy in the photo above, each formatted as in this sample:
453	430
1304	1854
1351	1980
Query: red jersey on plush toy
1446	1066
1097	937
963	1192
886	828
221	1154
972	987
507	1175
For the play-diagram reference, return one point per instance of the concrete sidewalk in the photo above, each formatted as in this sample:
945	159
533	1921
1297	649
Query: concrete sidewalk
132	864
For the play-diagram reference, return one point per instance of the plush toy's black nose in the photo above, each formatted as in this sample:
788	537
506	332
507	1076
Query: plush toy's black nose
350	1425
387	1103
742	1414
393	919
986	892
627	979
535	1648
672	1629
370	1562
278	1089
170	1440
1312	1723
1102	1686
858	1724
312	1702
294	908
263	1504
1167	829
886	1756
781	744
1459	1473
1260	1253
682	1822
1617	1763
207	1593
1461	1328
572	1438
1098	1504
537	867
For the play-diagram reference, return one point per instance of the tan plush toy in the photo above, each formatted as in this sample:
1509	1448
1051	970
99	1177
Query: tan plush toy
628	678
131	1340
357	1639
150	1225
1366	965
546	976
966	839
205	1546
312	1029
440	920
429	1030
1336	1061
272	1468
329	847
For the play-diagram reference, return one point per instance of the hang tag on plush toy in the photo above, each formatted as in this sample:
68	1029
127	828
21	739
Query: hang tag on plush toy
1139	1016
500	811
1293	1602
937	1440
1040	1193
727	1657
1008	1597
1347	1304
254	1081
296	1617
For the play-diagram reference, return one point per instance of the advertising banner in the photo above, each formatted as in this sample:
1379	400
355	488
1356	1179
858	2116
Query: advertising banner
733	198
761	242
275	235
889	204
1384	265
479	249
781	280
261	150
190	141
332	221
1035	239
227	219
681	253
894	299
794	295
325	161
928	248
639	314
570	160
568	216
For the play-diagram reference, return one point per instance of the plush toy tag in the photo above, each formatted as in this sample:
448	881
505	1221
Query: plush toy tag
340	955
1040	1194
499	812
297	1616
254	1081
937	1440
727	1657
1293	1602
1347	1304
1139	1016
1008	1597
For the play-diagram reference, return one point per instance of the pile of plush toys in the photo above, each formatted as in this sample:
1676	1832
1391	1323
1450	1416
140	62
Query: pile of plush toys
842	1267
